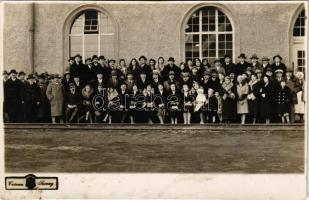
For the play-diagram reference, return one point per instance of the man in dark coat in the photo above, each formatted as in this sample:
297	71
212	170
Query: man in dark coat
265	64
90	71
171	80
170	67
228	65
130	82
78	68
143	67
43	114
12	97
278	63
143	81
31	99
114	81
66	81
124	102
104	68
79	84
255	62
242	65
72	101
206	82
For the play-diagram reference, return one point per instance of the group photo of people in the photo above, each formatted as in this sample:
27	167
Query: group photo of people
141	90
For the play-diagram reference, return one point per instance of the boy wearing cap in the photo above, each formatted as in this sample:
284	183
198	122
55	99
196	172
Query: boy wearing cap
12	97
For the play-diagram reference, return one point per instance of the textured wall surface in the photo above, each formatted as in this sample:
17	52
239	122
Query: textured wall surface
144	28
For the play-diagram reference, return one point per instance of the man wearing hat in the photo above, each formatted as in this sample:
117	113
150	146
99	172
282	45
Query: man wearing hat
206	82
79	84
100	80
143	67
114	82
31	99
12	97
143	81
228	65
170	67
218	68
171	80
265	64
269	72
104	68
72	101
242	65
43	114
5	76
278	63
71	61
255	62
66	80
78	68
21	76
90	72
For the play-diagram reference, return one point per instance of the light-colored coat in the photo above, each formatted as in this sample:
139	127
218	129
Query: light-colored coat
55	93
242	105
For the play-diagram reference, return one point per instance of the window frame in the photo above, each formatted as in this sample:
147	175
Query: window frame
201	32
82	35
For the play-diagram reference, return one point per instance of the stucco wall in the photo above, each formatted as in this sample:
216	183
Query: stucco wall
149	29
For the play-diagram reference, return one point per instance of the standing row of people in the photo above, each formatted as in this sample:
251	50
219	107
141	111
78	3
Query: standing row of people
101	91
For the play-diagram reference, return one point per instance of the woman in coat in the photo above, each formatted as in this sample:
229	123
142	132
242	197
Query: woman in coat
283	99
187	104
228	100
242	101
266	94
55	95
87	96
253	98
300	88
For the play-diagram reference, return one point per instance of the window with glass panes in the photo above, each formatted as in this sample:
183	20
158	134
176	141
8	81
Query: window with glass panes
92	33
299	26
301	58
208	34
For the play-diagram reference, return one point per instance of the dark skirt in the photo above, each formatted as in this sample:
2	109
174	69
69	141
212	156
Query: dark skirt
266	109
254	108
229	109
283	108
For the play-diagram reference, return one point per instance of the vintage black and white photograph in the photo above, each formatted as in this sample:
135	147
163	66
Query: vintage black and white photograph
155	87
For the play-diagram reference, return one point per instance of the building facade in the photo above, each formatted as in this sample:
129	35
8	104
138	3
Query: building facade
41	36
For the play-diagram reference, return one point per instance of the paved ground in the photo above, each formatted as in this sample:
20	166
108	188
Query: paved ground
234	149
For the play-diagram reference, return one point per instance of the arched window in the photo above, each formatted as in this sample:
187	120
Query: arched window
208	34
298	51
92	33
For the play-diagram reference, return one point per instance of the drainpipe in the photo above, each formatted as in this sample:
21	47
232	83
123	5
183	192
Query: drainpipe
31	37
